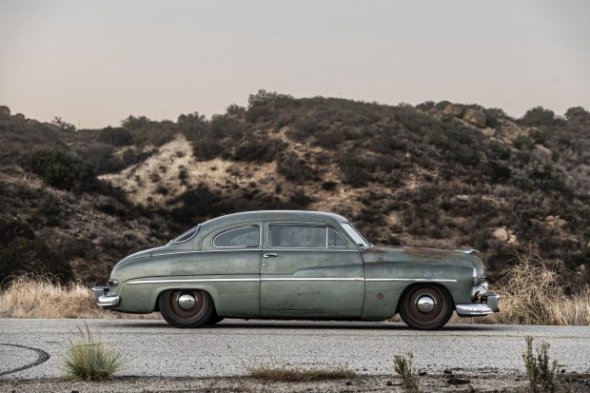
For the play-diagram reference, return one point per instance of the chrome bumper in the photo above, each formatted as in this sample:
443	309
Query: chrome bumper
479	309
103	299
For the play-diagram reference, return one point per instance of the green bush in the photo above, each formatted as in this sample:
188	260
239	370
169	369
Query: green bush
539	116
115	136
62	169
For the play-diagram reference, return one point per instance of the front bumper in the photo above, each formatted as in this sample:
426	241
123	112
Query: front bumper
479	309
103	299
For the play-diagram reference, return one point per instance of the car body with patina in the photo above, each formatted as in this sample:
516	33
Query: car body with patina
295	265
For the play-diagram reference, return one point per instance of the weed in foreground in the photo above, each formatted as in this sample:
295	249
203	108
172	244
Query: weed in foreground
283	374
404	367
541	371
89	359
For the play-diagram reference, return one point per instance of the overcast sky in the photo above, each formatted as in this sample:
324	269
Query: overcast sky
96	62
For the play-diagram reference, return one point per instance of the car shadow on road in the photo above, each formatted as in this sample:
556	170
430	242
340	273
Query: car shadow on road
234	324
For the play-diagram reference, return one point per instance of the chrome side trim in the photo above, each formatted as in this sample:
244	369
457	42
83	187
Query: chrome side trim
411	280
108	301
312	279
165	281
190	280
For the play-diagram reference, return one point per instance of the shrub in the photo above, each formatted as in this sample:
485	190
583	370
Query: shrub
207	149
539	116
542	373
89	359
531	294
523	142
62	169
115	136
193	125
23	255
134	123
577	113
294	169
222	126
357	169
257	149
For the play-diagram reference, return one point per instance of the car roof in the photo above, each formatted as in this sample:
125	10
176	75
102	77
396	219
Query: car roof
276	215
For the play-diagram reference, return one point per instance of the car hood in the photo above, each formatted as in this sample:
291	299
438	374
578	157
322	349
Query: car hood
379	254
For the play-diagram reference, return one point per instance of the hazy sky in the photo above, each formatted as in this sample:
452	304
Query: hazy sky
95	62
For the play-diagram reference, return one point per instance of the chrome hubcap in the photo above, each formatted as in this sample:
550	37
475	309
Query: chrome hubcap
186	301
425	303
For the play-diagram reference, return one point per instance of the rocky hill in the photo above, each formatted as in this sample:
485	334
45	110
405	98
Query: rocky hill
73	202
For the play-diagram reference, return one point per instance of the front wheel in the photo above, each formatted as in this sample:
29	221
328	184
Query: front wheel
426	307
186	308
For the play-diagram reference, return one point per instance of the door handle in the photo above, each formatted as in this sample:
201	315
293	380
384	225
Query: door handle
270	255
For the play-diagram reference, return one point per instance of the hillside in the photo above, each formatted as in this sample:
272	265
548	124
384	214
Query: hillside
73	202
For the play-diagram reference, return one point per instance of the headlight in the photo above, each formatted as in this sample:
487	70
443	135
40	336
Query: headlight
113	283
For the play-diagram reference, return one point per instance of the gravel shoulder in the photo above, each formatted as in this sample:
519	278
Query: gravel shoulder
443	383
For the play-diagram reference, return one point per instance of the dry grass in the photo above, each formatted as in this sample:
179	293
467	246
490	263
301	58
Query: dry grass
30	296
37	297
531	295
275	373
404	367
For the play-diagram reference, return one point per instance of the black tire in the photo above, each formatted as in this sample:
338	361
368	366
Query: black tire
186	314
433	312
215	319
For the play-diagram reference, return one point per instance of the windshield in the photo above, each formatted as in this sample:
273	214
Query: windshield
355	235
188	235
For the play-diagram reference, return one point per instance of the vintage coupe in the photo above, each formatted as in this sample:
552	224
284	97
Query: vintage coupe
295	264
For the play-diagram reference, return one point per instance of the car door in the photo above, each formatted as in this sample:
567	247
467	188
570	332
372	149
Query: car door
230	263
310	270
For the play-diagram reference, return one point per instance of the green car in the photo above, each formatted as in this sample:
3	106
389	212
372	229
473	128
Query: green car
295	265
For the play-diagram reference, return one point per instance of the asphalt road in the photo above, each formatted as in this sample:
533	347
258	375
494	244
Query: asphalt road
152	348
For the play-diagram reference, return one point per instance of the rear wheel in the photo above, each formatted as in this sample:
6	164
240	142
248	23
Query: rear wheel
186	308
426	307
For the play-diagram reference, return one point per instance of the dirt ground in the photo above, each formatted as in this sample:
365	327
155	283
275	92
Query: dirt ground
436	383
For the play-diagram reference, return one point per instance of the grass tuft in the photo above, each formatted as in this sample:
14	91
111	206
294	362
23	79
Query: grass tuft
89	359
283	374
404	367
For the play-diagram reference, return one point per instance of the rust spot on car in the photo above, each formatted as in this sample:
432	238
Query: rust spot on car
430	253
380	296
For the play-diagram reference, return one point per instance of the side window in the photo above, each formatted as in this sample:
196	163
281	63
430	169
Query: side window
297	236
246	236
335	240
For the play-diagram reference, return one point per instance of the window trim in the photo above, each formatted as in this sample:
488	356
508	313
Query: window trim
227	229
